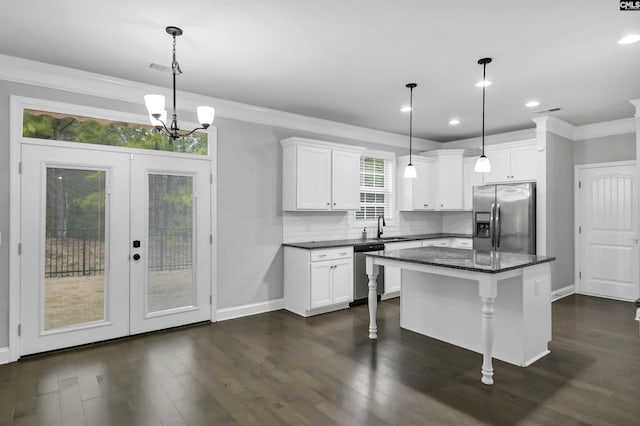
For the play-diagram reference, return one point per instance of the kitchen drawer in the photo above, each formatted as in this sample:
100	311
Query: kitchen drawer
332	254
463	243
402	245
436	242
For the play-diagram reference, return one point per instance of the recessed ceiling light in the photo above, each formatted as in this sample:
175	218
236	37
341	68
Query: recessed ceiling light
484	83
454	122
532	104
631	38
405	109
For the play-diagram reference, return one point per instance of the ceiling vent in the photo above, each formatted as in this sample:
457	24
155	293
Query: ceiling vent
159	67
546	110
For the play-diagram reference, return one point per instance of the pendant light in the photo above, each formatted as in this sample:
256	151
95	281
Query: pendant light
483	165
410	171
155	103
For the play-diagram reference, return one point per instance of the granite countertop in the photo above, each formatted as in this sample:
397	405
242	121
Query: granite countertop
491	262
310	245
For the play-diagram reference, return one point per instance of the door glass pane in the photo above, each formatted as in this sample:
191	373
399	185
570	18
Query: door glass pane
170	242
74	247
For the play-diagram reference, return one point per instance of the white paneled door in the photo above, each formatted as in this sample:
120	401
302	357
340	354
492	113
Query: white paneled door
608	233
112	244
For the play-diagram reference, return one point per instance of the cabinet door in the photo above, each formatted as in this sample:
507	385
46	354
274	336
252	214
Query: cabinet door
471	179
313	184
424	187
342	281
524	162
450	178
345	180
321	284
500	165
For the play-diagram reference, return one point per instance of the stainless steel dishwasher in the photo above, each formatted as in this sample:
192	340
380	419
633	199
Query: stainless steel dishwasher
360	278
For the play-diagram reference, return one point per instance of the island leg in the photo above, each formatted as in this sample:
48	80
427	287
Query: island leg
488	292
372	273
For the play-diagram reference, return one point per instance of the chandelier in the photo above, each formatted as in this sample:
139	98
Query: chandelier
156	103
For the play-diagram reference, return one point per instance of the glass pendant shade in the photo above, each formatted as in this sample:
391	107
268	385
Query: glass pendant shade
410	172
158	122
154	104
205	115
482	165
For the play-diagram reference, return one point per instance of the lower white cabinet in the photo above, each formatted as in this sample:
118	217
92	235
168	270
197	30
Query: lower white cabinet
317	281
392	276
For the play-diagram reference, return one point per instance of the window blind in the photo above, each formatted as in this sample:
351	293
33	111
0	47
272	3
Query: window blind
376	188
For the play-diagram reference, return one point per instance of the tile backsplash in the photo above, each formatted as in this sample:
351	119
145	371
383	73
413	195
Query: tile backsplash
456	222
322	226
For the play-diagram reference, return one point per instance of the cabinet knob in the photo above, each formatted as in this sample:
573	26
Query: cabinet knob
328	204
426	205
334	204
441	205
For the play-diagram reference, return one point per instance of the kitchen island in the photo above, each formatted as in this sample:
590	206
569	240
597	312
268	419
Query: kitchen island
439	298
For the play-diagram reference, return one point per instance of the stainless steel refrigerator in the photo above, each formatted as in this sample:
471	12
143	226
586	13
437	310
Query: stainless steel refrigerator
504	217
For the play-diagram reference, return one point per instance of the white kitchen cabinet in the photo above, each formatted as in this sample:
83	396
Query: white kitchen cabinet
449	184
392	276
436	242
512	162
419	193
319	175
453	242
471	179
317	281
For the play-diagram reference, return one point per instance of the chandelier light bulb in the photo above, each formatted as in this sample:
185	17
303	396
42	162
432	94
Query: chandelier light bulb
154	104
482	165
205	115
158	122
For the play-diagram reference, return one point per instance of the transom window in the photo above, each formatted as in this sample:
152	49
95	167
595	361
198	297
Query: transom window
76	128
376	188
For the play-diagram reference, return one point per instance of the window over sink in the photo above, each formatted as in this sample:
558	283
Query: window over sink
376	186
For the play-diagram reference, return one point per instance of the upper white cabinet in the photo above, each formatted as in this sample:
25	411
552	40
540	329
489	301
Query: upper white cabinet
418	193
449	185
439	181
471	179
319	175
512	162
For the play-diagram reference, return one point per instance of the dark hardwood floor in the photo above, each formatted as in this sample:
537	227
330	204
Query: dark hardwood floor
278	368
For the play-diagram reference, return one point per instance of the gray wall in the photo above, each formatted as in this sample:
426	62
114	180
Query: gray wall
560	209
249	211
605	149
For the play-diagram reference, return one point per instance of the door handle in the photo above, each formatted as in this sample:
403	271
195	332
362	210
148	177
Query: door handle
497	225
492	225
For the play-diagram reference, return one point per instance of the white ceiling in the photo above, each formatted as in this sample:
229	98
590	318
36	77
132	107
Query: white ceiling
349	60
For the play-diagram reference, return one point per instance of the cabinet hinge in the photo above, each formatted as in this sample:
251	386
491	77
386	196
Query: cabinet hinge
579	229
211	178
19	330
211	299
20	167
579	275
210	238
579	184
19	249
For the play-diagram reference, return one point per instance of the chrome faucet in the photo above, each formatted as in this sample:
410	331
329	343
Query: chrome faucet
380	232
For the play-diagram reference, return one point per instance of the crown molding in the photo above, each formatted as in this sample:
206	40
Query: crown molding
41	74
517	135
607	128
636	103
588	131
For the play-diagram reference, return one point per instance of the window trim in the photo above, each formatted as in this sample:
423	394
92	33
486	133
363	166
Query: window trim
387	156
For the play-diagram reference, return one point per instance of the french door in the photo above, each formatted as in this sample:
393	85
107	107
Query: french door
112	244
608	241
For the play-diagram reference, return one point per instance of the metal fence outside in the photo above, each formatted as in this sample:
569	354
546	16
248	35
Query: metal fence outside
169	249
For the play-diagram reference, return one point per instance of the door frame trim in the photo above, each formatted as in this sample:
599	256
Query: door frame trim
16	106
576	213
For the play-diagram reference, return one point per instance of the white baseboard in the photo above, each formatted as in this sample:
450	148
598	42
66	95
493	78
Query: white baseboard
563	292
390	295
4	356
250	309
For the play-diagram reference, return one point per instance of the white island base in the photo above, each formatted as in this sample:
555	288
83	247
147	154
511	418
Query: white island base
506	315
